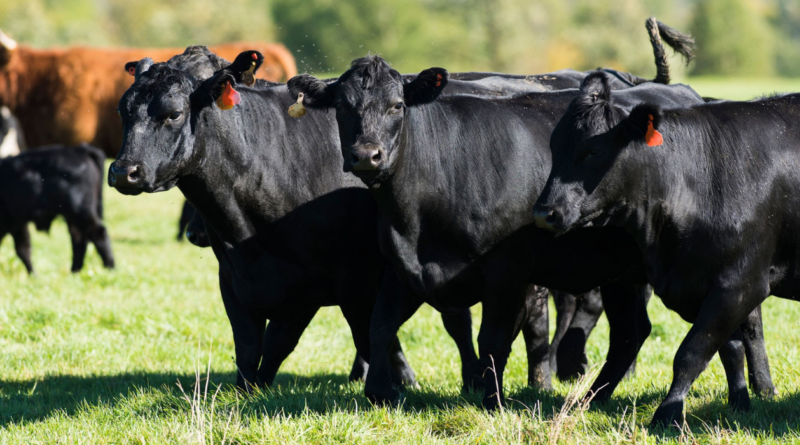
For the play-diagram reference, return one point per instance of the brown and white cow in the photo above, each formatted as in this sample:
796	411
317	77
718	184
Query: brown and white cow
70	95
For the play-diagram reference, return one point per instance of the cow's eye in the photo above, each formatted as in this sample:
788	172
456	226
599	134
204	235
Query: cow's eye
398	106
339	105
119	112
175	115
594	151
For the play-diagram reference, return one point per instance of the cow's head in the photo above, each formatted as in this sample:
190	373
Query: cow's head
8	47
593	170
159	114
371	101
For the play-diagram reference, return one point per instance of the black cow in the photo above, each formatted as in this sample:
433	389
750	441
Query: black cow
36	186
711	196
577	323
455	179
291	232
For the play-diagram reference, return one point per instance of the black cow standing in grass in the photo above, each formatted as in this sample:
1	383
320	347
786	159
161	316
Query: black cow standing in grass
710	194
36	186
577	315
196	60
574	320
455	179
291	232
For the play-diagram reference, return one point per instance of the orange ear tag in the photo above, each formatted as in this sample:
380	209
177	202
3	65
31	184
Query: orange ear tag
652	137
228	98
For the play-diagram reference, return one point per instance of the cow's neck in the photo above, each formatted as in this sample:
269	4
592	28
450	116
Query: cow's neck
452	191
254	164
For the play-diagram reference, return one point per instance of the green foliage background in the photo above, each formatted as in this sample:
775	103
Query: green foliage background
735	37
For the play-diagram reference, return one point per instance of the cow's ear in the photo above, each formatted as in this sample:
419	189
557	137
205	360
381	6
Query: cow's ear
220	88
244	67
595	87
640	125
426	87
142	66
130	68
316	93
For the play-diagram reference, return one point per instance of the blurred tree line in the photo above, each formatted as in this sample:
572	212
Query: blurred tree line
734	37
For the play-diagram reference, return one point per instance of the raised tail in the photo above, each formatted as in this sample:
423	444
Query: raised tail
681	43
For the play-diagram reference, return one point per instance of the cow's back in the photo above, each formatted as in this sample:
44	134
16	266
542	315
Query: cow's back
55	180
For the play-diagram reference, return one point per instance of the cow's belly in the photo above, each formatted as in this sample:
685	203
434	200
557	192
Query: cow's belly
275	287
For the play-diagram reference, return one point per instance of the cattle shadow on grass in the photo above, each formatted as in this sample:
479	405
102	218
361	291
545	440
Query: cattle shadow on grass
292	394
37	399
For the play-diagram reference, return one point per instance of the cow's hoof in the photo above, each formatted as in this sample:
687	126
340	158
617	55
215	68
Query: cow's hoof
667	415
765	392
389	398
599	397
491	403
740	401
409	385
472	383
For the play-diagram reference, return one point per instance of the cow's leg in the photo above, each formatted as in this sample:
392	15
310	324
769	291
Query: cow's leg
629	325
647	292
536	331
79	244
395	305
459	325
248	335
101	241
720	315
565	310
359	370
732	356
22	245
756	353
503	316
187	212
571	353
280	339
358	317
402	374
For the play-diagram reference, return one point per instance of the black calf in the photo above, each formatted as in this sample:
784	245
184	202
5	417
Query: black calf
39	185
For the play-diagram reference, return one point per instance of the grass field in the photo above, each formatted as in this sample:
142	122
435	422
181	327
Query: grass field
115	357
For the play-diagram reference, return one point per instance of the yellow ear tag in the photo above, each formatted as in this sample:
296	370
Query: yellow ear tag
249	77
297	109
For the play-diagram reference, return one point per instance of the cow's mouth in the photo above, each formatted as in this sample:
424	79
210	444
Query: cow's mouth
127	190
372	178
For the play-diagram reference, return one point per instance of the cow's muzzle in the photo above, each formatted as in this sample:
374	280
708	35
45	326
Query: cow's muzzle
367	157
546	217
124	176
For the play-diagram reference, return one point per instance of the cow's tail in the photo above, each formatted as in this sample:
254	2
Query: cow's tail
99	158
660	33
681	43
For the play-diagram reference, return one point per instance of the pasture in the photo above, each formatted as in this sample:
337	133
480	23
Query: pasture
143	354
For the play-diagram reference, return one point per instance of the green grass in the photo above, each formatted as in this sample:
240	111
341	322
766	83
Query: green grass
98	357
741	88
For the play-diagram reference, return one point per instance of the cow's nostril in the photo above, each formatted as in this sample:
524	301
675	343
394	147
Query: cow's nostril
134	174
551	217
377	157
354	159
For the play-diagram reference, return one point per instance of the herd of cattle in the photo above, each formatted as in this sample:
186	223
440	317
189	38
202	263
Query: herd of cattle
443	188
